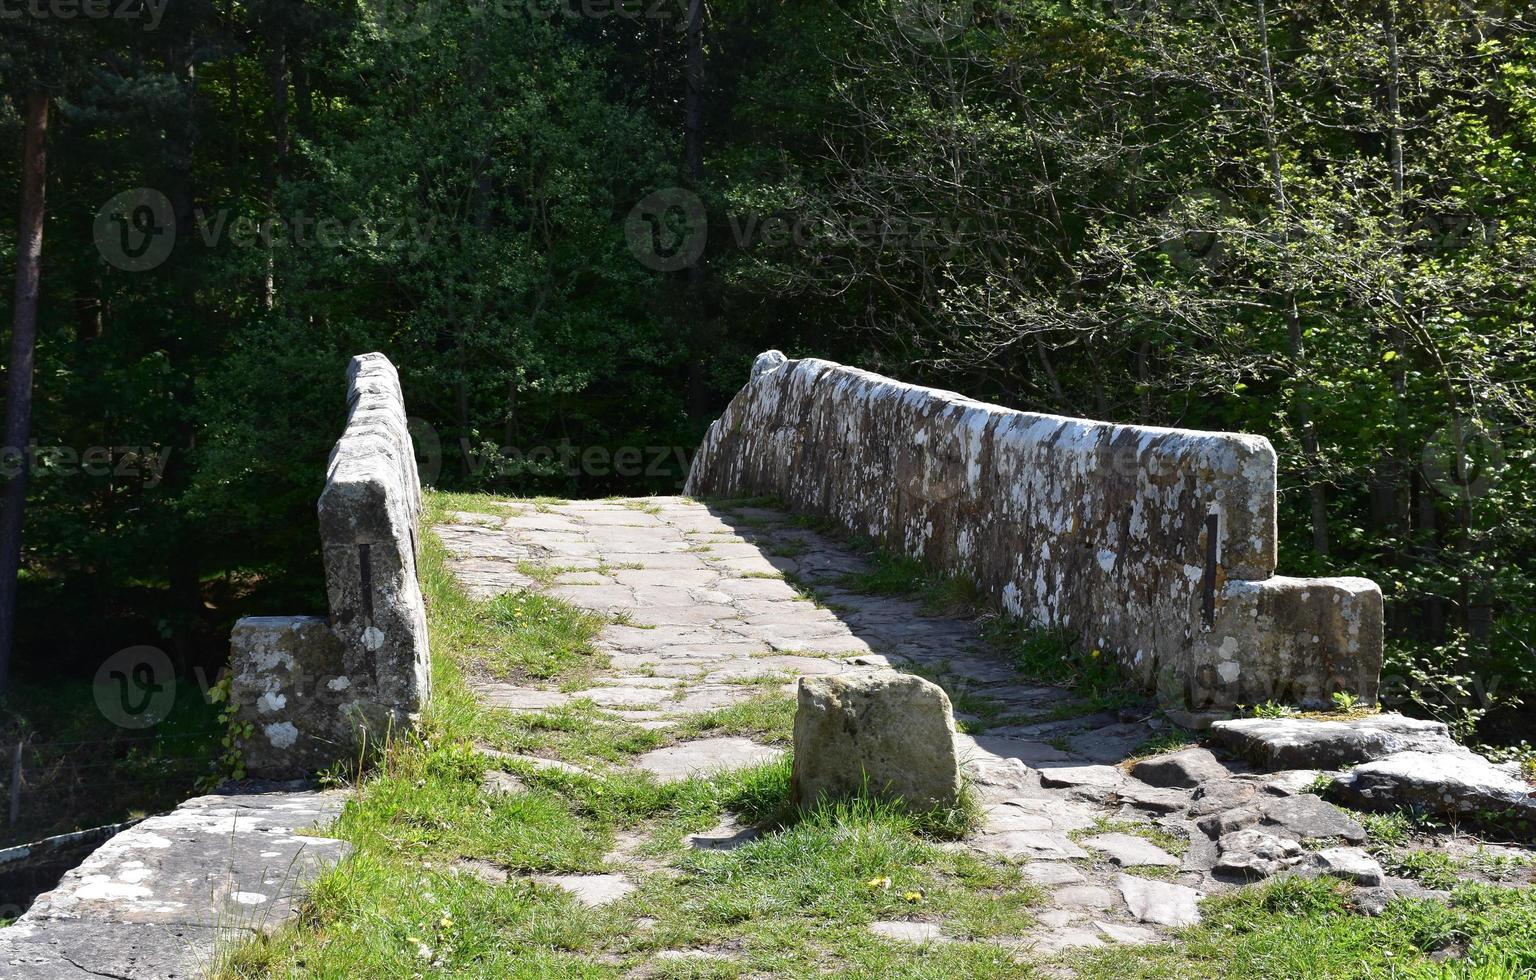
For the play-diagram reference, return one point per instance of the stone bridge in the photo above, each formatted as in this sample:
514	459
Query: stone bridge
1154	546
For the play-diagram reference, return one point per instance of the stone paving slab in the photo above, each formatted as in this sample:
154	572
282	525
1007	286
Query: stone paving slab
154	901
707	619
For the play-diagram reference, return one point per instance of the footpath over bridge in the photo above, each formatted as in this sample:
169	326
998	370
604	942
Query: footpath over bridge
1157	544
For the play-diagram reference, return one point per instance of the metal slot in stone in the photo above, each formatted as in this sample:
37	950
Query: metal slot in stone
1208	581
365	581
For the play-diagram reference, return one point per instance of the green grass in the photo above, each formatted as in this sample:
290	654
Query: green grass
577	733
1171	740
1172	843
893	574
1299	927
1442	871
443	504
794	903
530	634
767	718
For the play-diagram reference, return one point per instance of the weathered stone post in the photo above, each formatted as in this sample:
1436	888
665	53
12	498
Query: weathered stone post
368	515
880	732
315	690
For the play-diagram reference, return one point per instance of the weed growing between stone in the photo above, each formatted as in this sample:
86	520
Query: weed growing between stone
441	881
1301	927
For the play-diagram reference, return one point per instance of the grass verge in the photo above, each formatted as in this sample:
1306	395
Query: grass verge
1301	927
440	882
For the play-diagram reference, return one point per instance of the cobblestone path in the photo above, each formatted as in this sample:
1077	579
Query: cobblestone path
711	607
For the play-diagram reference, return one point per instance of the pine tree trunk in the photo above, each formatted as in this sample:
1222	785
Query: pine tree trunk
1291	310
704	341
18	381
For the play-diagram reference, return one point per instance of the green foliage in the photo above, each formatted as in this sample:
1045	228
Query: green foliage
1061	207
1345	702
1054	655
538	635
894	574
1448	682
1271	709
80	769
230	764
1297	926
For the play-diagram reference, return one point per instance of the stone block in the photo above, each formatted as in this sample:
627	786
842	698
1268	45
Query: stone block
1456	783
1289	640
368	524
890	734
1184	769
288	679
1304	743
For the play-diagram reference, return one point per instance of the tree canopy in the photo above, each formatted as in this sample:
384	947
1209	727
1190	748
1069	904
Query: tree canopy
1312	221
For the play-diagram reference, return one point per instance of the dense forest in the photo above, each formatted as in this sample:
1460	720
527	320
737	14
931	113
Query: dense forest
573	222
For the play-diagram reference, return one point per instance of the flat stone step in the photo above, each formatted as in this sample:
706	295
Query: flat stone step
155	900
703	757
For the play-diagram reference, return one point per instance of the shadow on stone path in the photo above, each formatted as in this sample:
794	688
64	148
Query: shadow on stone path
706	620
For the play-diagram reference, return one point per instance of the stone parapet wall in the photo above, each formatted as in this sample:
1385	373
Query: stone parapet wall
368	525
315	689
1156	544
166	897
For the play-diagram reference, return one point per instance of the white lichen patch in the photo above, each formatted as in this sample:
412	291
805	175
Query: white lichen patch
281	734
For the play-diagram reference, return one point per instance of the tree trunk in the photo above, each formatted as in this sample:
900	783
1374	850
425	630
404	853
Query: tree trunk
703	346
18	381
1288	303
278	76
